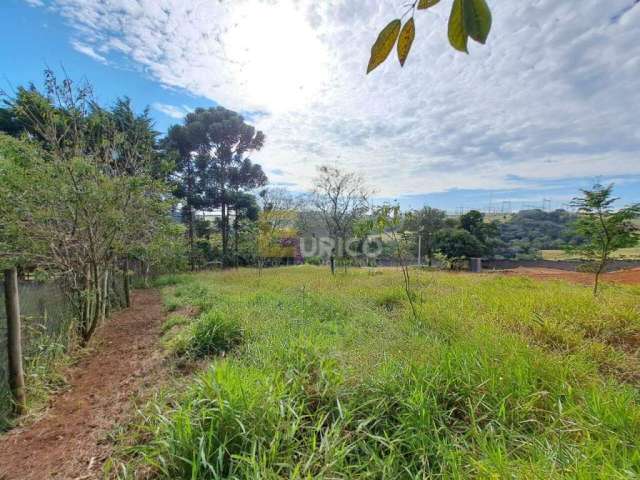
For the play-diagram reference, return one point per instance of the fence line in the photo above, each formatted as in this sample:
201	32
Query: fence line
48	321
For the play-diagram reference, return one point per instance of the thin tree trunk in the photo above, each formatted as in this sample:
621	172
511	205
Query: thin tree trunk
192	259
14	341
94	319
225	234
597	278
86	304
105	295
116	299
236	235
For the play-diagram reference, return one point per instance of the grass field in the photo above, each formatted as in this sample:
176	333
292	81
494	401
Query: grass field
622	254
312	376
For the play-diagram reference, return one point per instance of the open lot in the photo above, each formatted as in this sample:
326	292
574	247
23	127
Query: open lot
629	276
306	375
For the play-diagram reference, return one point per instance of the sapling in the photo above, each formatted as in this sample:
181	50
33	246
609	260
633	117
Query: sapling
605	230
388	219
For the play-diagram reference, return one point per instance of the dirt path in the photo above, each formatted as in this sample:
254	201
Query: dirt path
628	277
70	440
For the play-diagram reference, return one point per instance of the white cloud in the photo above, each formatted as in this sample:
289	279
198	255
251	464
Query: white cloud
553	94
88	50
171	110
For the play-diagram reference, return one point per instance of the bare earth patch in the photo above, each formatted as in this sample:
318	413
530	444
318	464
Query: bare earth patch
629	277
71	440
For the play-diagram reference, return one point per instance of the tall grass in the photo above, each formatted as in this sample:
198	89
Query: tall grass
331	378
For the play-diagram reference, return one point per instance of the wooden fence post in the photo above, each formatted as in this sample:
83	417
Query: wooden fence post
125	283
14	342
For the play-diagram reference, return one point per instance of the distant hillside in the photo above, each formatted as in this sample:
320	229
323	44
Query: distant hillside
527	232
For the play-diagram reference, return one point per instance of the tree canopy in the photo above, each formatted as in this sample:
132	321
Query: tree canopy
211	150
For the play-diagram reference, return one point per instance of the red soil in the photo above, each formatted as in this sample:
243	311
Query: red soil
71	440
628	277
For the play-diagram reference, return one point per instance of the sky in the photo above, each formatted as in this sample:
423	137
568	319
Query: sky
550	105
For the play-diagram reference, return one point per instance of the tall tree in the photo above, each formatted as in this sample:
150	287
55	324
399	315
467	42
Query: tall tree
474	223
341	198
181	144
212	148
604	228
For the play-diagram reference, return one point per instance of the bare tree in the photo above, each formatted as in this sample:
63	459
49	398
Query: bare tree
341	197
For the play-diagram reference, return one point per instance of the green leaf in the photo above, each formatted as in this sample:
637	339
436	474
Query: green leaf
407	34
424	4
384	44
457	33
477	19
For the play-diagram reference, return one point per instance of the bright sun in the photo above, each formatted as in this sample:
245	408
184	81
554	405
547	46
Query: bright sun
281	61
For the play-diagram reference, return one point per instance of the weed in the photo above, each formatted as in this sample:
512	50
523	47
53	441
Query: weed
213	333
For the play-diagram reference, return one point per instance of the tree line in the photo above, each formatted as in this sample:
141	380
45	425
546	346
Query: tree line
87	189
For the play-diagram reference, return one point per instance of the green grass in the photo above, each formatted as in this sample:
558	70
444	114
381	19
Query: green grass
632	253
331	377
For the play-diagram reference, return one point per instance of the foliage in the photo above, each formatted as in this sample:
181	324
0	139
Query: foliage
166	251
473	222
341	198
212	166
80	191
527	232
509	378
458	244
468	18
47	338
605	229
388	219
427	222
276	226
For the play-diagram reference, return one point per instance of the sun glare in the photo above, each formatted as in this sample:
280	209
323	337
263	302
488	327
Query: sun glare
280	59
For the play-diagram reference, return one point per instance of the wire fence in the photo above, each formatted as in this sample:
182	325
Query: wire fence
48	326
